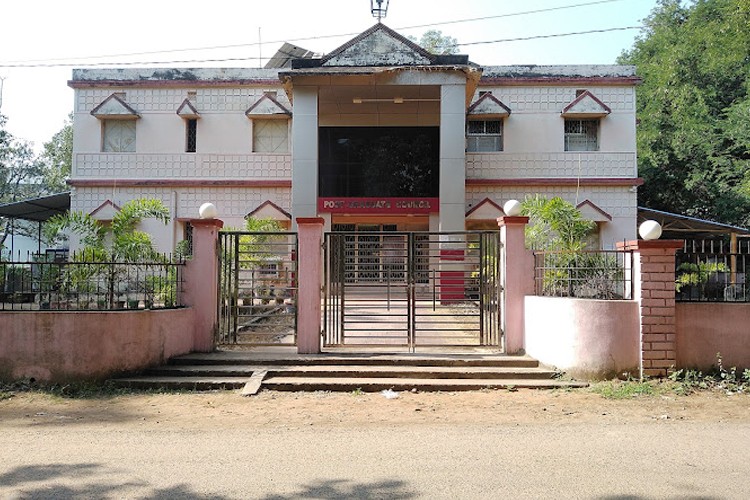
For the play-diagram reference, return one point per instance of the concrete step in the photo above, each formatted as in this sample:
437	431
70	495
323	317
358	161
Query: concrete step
198	383
357	371
269	359
405	384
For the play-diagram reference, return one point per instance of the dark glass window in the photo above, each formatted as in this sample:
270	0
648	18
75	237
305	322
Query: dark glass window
191	135
379	161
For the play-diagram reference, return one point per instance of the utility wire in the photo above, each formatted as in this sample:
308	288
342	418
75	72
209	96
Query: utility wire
30	62
249	58
556	35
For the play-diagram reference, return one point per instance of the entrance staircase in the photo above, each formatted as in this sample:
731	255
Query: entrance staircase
252	371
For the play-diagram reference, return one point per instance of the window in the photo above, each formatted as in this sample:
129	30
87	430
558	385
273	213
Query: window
581	135
191	134
484	136
270	136
118	136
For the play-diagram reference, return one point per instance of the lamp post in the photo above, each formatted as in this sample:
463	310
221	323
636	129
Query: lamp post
377	8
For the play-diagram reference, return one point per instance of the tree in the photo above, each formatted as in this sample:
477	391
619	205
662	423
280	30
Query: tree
112	244
554	224
20	174
693	107
57	158
436	43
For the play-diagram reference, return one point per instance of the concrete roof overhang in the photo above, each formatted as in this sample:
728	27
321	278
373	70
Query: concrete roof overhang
383	75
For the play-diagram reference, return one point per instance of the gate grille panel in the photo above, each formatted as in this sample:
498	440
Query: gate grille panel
412	289
258	288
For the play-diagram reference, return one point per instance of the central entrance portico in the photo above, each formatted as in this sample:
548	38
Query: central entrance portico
380	117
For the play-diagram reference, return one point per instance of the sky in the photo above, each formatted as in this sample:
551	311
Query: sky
226	33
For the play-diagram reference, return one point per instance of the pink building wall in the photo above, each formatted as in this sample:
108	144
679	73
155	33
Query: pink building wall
68	346
585	338
705	329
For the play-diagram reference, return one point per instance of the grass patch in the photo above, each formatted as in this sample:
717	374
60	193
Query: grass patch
78	390
627	389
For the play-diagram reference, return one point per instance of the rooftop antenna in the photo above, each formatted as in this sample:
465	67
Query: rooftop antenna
377	8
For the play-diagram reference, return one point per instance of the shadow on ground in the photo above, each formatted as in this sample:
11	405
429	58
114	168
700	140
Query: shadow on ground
393	490
92	481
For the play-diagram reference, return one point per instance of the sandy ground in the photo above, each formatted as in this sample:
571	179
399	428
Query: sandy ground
484	444
227	409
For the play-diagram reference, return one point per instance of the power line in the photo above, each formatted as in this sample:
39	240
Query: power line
234	59
31	63
539	37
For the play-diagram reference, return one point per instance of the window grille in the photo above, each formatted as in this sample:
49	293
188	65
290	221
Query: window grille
484	136
581	135
191	135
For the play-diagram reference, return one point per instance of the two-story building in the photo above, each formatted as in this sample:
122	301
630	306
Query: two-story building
378	134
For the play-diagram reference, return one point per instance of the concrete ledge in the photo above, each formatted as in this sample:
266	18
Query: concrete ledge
73	345
586	338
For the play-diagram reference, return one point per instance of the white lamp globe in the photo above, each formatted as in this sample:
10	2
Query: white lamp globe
649	230
208	211
512	208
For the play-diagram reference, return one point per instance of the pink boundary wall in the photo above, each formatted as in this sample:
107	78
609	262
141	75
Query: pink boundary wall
705	329
586	338
68	346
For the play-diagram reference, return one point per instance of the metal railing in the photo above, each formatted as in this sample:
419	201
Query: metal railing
602	274
712	277
81	283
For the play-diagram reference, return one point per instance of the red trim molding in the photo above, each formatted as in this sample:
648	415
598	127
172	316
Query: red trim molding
86	84
111	183
558	181
560	80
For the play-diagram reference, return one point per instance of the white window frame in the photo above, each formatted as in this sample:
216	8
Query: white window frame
479	142
111	127
270	144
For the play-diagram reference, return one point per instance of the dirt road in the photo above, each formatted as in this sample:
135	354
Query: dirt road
495	444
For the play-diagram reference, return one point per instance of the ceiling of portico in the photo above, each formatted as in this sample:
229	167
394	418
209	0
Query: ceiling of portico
379	99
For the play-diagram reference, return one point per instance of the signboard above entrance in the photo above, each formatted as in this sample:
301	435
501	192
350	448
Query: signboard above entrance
379	205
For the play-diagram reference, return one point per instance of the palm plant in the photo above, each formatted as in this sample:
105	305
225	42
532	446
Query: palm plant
110	245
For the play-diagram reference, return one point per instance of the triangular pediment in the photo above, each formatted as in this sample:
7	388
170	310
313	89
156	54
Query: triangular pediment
114	108
485	210
270	210
378	46
106	211
489	106
586	105
590	211
188	110
267	107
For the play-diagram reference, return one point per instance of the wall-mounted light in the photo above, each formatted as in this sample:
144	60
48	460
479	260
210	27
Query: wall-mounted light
394	100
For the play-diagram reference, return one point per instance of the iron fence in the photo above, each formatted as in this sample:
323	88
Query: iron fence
49	282
712	277
602	274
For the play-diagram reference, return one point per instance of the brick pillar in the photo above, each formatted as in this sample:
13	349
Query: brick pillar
653	288
515	275
202	282
310	234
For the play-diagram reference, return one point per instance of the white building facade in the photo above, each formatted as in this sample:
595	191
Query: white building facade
376	135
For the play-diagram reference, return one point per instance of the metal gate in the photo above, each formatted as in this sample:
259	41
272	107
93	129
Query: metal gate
412	289
257	288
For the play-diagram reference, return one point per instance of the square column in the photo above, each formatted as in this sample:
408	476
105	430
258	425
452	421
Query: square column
516	278
202	282
653	289
310	237
305	152
452	156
